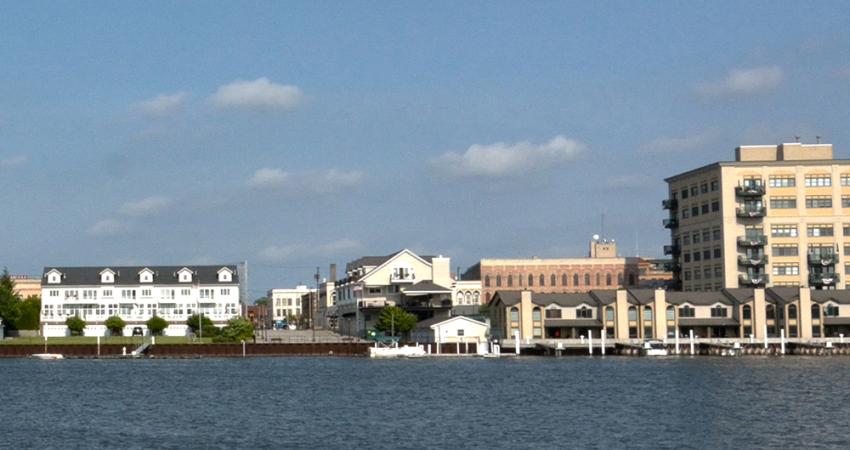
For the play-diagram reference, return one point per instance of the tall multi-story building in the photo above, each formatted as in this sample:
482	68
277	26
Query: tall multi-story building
776	216
136	294
284	305
602	269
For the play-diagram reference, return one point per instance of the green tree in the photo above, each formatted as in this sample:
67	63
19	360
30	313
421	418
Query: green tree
156	325
115	325
237	329
76	325
194	323
262	301
30	314
10	301
393	318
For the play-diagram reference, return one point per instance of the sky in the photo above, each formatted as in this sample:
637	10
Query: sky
297	134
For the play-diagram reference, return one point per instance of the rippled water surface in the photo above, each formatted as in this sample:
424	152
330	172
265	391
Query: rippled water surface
433	403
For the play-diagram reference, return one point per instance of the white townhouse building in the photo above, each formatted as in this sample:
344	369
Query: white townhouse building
286	303
136	294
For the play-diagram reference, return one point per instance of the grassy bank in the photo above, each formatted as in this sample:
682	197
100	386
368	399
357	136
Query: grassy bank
120	340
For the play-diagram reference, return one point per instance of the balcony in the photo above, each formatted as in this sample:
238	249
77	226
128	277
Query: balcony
672	250
752	261
759	240
750	212
402	277
671	223
670	204
823	279
755	280
823	259
750	190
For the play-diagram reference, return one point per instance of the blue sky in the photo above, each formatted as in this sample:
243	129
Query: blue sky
294	135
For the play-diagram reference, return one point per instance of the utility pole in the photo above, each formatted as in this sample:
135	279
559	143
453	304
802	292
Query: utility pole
313	299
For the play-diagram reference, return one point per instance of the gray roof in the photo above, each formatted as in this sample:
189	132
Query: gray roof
709	322
374	261
836	320
577	323
698	298
129	275
837	296
472	273
435	320
782	295
510	298
426	286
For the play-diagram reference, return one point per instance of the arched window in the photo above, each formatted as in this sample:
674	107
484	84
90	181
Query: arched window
553	280
564	279
792	311
632	313
609	314
587	279
510	280
468	298
815	312
530	280
535	315
514	315
747	312
608	279
542	280
647	313
575	279
498	281
598	279
770	312
619	278
671	313
486	280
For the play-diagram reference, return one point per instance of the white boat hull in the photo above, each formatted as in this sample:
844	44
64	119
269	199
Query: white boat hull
47	356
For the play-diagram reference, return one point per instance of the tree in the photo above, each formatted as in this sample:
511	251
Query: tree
30	314
395	319
115	325
76	325
156	325
10	301
237	329
262	301
194	323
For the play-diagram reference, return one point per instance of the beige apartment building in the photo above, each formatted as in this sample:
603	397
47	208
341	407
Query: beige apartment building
776	216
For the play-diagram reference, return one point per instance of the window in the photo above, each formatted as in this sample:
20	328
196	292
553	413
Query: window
815	312
718	252
599	279
707	274
608	279
718	271
747	313
786	269
486	280
647	313
686	239
696	238
564	279
715	206
695	211
514	315
845	201
686	275
718	311
671	313
609	314
845	179
783	202
697	274
185	292
684	194
770	312
56	293
792	312
530	280
542	280
587	279
535	315
575	279
715	185
830	311
584	313
704	208
706	254
537	332
554	313
632	313
686	213
818	201
784	250
782	181
510	280
783	230
460	331
818	180
697	256
703	188
819	230
706	235
377	290
694	191
498	280
686	311
552	280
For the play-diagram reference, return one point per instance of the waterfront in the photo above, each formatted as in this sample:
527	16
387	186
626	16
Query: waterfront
433	403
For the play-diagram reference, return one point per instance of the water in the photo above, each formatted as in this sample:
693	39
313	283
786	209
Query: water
446	403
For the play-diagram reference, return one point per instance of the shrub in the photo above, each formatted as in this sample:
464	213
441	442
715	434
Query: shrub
237	329
30	312
156	325
209	329
115	325
76	325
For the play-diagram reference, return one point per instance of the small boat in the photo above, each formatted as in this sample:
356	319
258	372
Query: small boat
48	356
654	348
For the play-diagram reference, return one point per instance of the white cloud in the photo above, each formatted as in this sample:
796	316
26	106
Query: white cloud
743	82
13	161
502	159
317	182
146	207
162	105
289	252
109	227
260	94
668	144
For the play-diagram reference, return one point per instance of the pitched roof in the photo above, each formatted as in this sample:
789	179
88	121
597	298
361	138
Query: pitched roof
129	275
428	323
375	261
698	298
426	287
837	296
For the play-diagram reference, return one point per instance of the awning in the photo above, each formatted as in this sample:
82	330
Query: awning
573	323
709	322
836	320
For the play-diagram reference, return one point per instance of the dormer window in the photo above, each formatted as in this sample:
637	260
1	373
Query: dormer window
225	275
146	276
184	275
54	277
107	276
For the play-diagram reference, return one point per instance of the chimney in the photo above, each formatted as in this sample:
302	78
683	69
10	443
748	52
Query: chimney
332	273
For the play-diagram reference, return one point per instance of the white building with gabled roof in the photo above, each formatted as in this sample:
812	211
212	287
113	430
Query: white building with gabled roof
136	294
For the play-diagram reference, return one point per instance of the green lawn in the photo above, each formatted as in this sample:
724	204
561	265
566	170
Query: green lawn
121	340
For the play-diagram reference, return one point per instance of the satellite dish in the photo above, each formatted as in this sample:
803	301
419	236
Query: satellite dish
595	237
